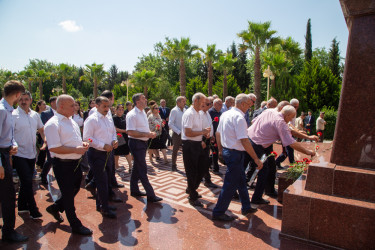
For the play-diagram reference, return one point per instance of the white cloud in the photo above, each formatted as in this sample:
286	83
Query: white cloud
70	26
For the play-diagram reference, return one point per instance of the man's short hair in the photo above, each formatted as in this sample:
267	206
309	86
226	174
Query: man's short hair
136	98
180	98
52	99
282	104
107	93
101	99
198	96
303	113
288	109
128	103
215	96
217	100
162	100
62	98
272	102
228	98
322	112
294	101
13	87
27	93
262	104
240	98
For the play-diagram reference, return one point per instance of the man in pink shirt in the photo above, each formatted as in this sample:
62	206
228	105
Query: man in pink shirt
266	129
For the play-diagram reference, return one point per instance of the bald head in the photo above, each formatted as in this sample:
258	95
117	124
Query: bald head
272	103
65	105
281	105
289	113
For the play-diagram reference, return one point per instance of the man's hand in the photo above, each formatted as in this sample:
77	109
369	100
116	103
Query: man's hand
2	172
44	146
206	132
85	144
152	135
204	145
115	144
314	138
107	148
81	150
13	150
310	152
259	164
212	139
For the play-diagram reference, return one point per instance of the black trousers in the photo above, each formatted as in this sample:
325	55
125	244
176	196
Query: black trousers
205	164
113	169
215	156
101	167
7	196
47	165
192	156
138	149
68	176
25	170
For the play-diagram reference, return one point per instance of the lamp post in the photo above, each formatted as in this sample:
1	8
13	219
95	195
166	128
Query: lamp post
269	74
127	82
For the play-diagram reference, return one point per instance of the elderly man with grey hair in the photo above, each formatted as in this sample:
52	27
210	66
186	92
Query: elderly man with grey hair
215	113
192	146
253	99
269	127
233	144
229	102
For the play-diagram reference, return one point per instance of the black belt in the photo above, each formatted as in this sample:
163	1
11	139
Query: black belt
66	160
231	149
98	151
5	150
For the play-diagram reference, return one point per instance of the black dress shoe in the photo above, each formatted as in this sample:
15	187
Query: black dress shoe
210	185
82	230
115	199
196	203
260	202
199	196
174	168
55	213
14	237
43	180
217	172
109	214
272	194
118	185
249	211
138	194
112	208
154	199
222	217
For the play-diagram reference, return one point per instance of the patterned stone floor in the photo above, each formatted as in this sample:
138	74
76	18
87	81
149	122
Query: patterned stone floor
172	224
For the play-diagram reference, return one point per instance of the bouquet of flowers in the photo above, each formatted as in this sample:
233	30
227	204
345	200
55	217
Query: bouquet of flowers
262	159
296	169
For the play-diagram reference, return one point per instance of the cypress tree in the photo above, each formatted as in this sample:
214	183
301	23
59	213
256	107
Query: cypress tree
334	58
308	43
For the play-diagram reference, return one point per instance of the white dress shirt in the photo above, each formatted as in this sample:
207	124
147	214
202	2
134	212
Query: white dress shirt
206	121
25	128
100	129
137	120
94	110
78	119
63	131
191	119
175	119
232	127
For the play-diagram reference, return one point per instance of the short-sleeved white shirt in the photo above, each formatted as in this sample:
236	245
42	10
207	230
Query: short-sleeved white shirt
25	128
232	128
137	120
191	119
63	131
207	121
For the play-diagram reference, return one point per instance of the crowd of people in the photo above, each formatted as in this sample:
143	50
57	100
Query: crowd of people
72	141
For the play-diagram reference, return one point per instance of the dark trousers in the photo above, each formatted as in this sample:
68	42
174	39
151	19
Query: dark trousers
138	149
287	151
248	161
176	146
215	156
47	165
113	179
263	173
205	164
192	156
7	196
25	170
102	172
235	179
42	153
270	183
68	177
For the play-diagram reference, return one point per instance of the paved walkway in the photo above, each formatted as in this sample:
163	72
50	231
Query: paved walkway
172	224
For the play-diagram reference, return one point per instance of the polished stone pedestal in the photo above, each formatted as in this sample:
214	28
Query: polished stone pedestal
331	206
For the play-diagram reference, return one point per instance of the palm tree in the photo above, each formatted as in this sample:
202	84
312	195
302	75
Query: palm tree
256	38
66	72
40	77
211	55
145	79
94	73
180	50
225	64
28	76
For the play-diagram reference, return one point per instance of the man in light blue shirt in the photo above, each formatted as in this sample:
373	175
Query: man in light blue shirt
8	146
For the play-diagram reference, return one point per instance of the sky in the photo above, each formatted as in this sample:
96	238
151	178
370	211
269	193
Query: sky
118	32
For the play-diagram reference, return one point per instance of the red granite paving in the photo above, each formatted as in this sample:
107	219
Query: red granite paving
172	224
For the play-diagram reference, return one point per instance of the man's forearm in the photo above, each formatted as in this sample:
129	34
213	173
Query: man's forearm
137	134
63	150
298	146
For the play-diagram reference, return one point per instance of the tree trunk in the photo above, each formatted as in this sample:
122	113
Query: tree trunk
145	91
40	90
95	88
64	85
210	78
273	83
29	82
182	78
225	85
257	78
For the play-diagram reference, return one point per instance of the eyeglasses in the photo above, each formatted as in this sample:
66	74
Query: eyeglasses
208	104
156	108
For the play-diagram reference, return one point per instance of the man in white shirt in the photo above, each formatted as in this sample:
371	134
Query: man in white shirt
229	102
192	146
175	123
66	147
233	143
26	123
320	124
100	129
139	133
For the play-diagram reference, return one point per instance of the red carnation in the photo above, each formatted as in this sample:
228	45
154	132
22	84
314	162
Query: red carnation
119	135
317	147
319	134
89	140
216	119
214	153
305	159
157	126
164	123
215	145
274	154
